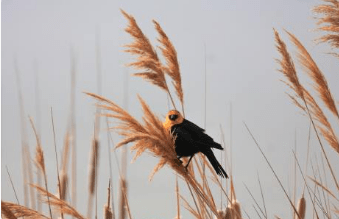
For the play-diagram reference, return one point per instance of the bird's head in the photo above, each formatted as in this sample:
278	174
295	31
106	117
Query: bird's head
173	117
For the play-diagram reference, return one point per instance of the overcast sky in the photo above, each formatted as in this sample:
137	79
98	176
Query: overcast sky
240	66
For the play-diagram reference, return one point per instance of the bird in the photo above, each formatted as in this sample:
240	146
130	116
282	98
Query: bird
190	139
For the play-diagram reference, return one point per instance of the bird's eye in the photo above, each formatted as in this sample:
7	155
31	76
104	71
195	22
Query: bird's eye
173	117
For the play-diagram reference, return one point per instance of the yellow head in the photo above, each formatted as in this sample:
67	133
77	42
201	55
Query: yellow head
173	117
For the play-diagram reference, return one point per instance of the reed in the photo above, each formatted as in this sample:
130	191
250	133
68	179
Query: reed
6	212
13	211
172	67
108	214
304	100
58	204
328	15
148	135
312	70
147	58
92	174
40	161
10	179
301	207
64	179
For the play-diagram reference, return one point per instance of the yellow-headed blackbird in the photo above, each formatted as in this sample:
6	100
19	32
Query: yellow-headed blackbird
191	139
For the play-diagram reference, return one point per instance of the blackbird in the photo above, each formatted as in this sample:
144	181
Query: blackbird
191	139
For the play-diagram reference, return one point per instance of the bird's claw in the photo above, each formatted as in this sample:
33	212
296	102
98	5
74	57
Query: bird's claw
186	168
179	162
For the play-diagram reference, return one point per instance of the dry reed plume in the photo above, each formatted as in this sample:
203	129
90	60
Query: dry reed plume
323	125
12	211
108	214
302	97
147	57
93	167
64	167
313	71
172	68
63	185
301	208
287	67
304	100
329	22
7	213
150	136
40	161
58	204
148	61
92	174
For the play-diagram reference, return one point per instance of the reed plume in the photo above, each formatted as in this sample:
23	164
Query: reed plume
172	67
13	211
323	124
150	136
147	58
287	67
92	176
301	208
328	22
108	214
65	152
6	213
308	104
40	161
93	167
228	213
63	185
303	98
58	204
313	71
64	179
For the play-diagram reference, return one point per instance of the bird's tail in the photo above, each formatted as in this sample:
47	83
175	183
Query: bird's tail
216	165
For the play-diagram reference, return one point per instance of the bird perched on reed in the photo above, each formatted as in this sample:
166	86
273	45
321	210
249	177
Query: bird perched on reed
191	139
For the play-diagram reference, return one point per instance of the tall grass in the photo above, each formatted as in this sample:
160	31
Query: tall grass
148	135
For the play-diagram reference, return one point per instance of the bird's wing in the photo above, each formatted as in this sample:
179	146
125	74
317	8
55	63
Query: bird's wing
198	134
192	126
181	132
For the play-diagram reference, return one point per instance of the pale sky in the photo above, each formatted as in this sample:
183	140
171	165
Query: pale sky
241	69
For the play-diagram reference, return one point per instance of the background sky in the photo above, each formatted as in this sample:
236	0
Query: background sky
241	70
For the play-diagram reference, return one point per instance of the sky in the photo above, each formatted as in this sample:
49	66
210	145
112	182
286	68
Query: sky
232	42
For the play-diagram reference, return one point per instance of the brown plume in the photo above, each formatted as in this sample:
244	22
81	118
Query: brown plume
147	58
287	67
13	211
312	70
172	65
329	22
58	204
